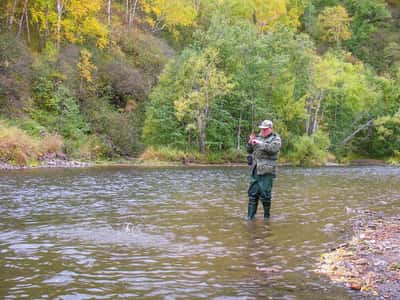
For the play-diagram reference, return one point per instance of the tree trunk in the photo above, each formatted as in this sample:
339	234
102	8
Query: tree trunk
28	33
127	12
348	138
316	112
309	111
11	19
46	29
239	131
132	11
23	16
109	13
196	5
60	8
201	124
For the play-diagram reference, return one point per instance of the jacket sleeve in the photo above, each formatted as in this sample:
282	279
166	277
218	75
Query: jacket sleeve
273	147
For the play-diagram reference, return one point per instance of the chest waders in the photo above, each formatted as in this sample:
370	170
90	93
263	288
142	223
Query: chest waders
260	188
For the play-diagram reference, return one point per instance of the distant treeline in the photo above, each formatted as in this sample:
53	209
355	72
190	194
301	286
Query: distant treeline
193	78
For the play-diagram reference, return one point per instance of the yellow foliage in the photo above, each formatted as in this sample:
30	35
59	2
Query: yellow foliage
268	15
334	23
166	13
269	12
79	20
86	68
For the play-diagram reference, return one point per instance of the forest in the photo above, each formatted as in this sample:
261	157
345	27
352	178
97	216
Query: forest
191	79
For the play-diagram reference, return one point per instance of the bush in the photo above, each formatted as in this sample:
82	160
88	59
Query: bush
58	111
16	146
53	143
310	150
165	154
386	139
15	74
118	130
88	148
395	158
171	154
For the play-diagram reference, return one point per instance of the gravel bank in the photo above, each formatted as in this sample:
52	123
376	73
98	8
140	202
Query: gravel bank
370	262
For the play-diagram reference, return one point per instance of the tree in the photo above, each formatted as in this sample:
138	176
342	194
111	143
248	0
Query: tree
334	23
86	69
202	87
341	98
73	21
169	14
374	31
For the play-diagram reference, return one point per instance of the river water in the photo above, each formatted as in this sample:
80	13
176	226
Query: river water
179	233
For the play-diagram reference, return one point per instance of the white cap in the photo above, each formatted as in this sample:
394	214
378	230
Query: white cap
266	124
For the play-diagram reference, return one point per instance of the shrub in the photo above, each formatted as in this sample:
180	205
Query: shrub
15	74
386	139
88	148
310	150
118	130
171	154
30	126
53	143
164	154
395	158
16	146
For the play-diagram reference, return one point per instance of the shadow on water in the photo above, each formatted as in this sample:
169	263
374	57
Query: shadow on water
166	233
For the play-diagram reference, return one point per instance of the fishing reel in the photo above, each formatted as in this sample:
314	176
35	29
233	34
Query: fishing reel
249	160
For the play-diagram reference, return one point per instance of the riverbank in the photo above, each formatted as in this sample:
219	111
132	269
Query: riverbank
370	261
63	163
51	163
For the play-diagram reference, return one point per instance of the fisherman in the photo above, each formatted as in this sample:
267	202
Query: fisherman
264	149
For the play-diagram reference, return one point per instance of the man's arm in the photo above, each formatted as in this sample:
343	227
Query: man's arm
272	147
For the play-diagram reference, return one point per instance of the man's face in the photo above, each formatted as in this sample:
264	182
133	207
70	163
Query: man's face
266	131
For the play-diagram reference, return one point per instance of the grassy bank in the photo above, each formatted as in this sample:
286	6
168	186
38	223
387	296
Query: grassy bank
168	154
19	148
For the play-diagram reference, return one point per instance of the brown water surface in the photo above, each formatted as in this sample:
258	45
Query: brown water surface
179	233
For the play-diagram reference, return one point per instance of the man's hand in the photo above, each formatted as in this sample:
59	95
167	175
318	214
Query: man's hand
252	139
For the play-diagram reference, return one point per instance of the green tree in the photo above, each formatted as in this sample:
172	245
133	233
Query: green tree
201	88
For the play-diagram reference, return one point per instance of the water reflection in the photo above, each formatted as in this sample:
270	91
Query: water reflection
178	232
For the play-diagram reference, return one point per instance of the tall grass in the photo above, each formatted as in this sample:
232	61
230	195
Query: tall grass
52	143
169	154
16	146
19	148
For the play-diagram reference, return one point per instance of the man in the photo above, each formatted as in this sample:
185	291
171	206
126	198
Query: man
264	149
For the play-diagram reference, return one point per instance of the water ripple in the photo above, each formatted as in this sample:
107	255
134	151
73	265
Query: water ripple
165	233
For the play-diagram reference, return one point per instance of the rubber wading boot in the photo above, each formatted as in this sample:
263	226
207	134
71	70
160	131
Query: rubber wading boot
252	210
267	207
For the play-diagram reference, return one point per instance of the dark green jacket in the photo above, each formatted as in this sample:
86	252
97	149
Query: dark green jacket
265	154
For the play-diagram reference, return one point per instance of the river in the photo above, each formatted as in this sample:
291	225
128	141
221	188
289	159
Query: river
179	233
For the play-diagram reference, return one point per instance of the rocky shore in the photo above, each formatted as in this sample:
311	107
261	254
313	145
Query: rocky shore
48	163
370	262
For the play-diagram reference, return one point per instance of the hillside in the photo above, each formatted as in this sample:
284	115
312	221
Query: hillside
191	80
